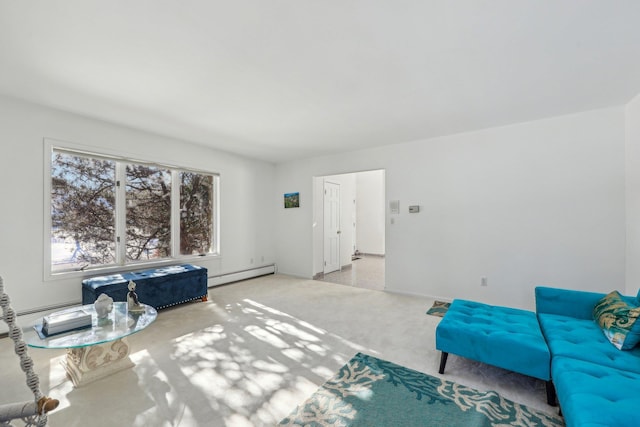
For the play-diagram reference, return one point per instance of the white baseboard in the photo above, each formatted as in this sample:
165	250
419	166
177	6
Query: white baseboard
241	275
415	294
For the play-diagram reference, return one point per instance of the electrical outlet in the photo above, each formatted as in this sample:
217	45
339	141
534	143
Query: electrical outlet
251	261
483	281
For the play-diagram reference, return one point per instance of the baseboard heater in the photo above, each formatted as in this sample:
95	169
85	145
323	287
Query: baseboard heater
241	275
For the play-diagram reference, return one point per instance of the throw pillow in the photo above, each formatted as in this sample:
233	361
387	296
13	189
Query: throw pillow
618	320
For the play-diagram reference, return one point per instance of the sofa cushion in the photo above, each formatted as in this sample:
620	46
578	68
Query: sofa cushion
618	320
566	302
594	395
583	340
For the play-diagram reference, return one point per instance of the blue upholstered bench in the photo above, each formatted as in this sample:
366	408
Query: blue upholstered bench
159	287
505	337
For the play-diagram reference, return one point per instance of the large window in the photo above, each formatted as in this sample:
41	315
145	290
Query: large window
108	211
83	221
148	196
196	214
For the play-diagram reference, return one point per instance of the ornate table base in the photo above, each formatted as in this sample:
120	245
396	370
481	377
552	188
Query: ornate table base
87	364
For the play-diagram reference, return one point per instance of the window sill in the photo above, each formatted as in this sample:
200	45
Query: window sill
113	269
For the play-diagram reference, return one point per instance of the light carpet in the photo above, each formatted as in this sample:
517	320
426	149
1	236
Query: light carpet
372	392
250	354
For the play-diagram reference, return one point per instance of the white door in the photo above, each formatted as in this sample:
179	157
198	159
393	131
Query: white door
331	227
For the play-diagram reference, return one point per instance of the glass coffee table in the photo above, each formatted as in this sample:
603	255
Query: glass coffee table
98	351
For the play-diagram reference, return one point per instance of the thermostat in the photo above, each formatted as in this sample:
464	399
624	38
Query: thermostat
414	209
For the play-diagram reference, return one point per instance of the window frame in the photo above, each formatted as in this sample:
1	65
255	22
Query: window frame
121	160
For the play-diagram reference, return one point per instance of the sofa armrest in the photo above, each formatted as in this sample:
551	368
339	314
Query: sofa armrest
566	302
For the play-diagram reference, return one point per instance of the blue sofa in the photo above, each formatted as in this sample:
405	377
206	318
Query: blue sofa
597	384
501	336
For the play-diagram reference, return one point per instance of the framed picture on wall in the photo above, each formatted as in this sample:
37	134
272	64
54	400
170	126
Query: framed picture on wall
292	200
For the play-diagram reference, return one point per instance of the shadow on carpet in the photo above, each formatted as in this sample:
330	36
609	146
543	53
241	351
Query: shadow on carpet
439	308
372	392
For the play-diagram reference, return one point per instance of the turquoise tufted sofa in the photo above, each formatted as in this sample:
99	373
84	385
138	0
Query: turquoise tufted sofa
506	337
597	385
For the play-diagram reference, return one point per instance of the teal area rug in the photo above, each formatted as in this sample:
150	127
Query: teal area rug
439	308
372	392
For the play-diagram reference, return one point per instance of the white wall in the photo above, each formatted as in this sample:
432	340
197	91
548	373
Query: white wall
246	196
370	208
633	195
533	203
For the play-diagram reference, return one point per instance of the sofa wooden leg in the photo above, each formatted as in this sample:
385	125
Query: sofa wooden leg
551	394
443	361
204	298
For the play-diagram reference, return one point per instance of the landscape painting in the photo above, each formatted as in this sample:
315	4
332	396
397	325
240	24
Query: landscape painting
292	200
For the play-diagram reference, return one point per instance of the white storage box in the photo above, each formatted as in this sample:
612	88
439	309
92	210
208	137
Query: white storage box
56	323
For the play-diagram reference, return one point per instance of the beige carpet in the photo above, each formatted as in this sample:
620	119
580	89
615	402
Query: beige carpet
250	354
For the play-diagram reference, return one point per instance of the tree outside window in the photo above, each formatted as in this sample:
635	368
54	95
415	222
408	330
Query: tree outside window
148	195
85	212
83	192
196	213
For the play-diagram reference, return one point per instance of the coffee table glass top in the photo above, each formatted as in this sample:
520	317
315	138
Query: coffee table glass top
118	324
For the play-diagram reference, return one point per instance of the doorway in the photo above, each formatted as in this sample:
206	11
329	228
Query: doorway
349	229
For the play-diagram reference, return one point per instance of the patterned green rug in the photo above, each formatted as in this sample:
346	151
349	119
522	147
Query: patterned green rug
372	392
439	308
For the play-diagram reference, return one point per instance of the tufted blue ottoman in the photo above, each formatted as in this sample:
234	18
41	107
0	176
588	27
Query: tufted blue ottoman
159	287
500	336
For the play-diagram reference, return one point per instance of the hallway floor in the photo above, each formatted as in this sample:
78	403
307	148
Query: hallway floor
367	272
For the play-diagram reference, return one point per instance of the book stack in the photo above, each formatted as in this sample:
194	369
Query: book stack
57	323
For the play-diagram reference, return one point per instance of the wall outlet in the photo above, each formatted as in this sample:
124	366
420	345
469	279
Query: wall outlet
483	281
251	261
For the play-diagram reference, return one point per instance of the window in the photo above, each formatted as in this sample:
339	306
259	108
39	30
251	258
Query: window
109	212
196	215
148	197
83	222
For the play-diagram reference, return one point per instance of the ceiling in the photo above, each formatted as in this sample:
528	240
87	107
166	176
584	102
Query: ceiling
280	80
